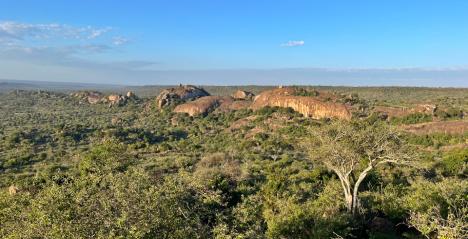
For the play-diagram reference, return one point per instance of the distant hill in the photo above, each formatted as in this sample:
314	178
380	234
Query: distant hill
9	85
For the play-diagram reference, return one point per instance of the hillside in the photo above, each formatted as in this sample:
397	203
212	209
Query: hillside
74	168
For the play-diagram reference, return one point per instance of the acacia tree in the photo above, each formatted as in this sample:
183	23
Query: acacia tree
352	150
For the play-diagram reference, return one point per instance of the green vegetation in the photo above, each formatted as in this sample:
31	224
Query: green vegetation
71	170
412	119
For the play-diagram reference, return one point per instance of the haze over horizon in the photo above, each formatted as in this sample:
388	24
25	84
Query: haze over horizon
358	43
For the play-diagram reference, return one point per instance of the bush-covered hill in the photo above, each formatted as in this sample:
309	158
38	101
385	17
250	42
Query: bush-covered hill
74	170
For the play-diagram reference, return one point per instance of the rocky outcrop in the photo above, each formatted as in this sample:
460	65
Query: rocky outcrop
131	95
179	94
95	97
243	95
204	105
306	105
91	97
116	99
234	105
12	190
426	108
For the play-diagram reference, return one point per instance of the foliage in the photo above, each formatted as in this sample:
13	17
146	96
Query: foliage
77	170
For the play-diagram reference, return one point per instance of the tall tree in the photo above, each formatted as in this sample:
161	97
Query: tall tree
353	149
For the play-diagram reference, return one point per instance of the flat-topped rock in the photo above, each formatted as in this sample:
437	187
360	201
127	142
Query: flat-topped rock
309	106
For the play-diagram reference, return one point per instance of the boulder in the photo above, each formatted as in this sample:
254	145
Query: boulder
203	105
94	99
179	94
91	97
242	95
307	105
131	95
12	190
115	99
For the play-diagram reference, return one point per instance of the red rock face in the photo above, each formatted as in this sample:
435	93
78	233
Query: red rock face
308	106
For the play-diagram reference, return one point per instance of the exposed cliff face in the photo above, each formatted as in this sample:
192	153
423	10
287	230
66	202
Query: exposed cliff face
179	94
306	105
242	95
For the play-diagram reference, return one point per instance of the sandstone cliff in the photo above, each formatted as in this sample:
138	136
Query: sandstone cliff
307	105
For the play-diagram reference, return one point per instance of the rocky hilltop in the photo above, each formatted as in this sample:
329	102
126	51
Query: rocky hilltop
95	97
314	104
309	106
179	94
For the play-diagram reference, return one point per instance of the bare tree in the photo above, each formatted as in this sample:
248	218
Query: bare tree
352	150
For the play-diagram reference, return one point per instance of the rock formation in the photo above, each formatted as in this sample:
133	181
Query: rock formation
203	105
116	99
12	190
130	95
91	97
306	105
182	93
95	97
242	95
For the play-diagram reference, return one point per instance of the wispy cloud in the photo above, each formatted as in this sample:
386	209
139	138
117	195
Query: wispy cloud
61	44
18	31
293	43
119	40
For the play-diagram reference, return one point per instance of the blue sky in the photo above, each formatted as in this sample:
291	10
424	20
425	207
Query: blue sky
423	43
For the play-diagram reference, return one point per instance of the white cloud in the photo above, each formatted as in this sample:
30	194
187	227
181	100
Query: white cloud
54	43
118	41
11	31
293	43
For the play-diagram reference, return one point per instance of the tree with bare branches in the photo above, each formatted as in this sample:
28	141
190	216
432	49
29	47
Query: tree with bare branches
353	149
